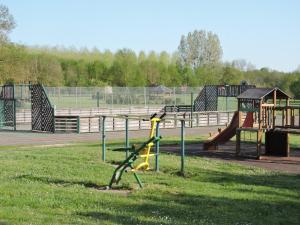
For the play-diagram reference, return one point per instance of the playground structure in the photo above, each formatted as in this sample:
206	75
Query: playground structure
252	104
154	139
226	134
265	105
257	113
143	152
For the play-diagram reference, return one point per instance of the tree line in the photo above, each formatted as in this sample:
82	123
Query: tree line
197	62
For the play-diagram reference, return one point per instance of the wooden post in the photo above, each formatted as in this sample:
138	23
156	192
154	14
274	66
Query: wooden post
292	117
260	115
287	112
283	116
258	143
274	109
240	124
238	142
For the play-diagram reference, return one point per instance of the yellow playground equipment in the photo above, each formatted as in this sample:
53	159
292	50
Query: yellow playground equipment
143	153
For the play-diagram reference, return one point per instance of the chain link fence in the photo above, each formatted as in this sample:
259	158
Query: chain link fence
120	97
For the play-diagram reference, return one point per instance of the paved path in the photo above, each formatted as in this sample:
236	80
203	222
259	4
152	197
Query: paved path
225	152
9	138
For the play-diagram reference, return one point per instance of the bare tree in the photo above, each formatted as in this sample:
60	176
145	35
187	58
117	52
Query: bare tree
199	48
7	23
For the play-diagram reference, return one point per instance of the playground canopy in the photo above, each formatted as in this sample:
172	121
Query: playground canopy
253	99
263	93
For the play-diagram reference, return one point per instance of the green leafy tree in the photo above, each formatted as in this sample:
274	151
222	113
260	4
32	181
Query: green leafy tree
295	88
124	67
231	75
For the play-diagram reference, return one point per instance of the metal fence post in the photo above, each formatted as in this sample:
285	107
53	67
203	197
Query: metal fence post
157	149
126	136
192	108
103	139
14	108
182	146
145	97
98	99
76	97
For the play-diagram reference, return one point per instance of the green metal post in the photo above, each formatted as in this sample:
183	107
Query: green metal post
138	180
103	138
98	99
15	107
192	108
53	119
126	136
78	124
226	97
182	146
157	148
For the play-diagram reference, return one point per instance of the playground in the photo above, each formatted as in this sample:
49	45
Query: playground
180	165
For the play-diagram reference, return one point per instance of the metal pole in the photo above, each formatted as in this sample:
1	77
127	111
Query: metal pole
76	97
103	138
157	148
126	136
14	108
226	103
182	146
192	108
98	99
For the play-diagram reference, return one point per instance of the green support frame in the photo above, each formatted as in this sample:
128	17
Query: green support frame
127	163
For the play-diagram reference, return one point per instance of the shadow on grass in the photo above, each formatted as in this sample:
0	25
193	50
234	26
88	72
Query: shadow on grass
64	183
273	180
276	206
3	223
169	208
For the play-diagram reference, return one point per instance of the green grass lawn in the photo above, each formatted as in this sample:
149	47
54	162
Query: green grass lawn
60	185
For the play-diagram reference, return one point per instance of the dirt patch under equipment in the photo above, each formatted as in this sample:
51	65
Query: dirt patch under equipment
226	152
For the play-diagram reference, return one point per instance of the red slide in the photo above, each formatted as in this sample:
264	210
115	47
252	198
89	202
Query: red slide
226	134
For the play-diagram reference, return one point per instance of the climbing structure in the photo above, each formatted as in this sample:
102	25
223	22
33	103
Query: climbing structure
264	104
138	160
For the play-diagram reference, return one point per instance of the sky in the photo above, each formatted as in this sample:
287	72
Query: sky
263	32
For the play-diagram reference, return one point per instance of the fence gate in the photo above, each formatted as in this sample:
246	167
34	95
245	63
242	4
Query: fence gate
207	99
7	107
42	112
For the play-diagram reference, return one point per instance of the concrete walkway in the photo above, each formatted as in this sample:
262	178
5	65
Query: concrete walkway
9	138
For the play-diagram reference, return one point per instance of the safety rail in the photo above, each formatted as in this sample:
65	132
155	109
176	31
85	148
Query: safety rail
88	124
68	124
178	108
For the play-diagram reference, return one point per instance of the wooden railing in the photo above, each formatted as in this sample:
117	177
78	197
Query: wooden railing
288	116
68	124
83	121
